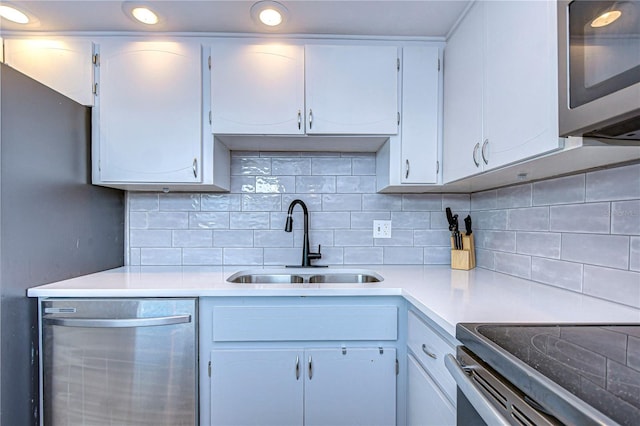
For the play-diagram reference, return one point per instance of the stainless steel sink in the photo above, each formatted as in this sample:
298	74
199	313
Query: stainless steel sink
351	278
266	279
305	275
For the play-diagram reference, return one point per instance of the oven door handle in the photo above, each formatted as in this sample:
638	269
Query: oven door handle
482	405
118	323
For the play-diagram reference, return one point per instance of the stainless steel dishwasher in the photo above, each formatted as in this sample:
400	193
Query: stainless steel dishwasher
119	362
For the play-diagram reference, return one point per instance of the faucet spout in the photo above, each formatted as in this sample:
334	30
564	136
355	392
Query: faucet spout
307	255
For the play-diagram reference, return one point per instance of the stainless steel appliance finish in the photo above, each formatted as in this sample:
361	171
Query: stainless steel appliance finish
568	373
599	71
119	362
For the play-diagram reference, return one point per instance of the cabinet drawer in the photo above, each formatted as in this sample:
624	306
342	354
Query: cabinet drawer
304	323
430	349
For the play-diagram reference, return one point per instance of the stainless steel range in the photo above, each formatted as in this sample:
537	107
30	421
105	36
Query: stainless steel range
537	374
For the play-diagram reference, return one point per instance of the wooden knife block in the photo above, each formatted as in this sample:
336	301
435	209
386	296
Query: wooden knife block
466	258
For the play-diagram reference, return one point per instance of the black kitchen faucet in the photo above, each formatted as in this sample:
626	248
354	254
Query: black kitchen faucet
288	227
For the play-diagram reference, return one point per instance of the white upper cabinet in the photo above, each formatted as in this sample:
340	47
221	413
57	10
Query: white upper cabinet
63	64
257	88
410	159
149	113
351	89
500	98
521	66
463	76
293	89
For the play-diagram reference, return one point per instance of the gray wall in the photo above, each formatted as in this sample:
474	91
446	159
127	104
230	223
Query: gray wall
54	224
580	232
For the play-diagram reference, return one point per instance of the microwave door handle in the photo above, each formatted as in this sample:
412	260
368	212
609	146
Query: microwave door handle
484	408
118	323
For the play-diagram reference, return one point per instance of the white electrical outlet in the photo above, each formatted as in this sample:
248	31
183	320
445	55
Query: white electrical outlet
381	229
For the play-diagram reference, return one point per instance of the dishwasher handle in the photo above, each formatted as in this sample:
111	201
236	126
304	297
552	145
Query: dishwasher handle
484	408
118	323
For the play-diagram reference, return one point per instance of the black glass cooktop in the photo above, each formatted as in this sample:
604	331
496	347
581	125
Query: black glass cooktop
599	364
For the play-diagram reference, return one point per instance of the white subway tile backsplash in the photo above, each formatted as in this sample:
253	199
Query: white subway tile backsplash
544	244
209	220
514	196
179	202
621	183
355	184
331	166
557	273
192	238
403	255
201	256
513	264
577	232
315	184
625	217
596	249
363	255
612	284
249	220
590	217
634	257
528	219
565	190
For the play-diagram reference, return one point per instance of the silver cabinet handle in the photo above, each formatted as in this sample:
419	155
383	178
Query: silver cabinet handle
475	154
195	167
118	323
310	119
310	368
428	352
297	368
299	119
465	385
485	145
406	173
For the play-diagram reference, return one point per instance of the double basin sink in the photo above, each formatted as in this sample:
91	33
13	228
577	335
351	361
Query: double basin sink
305	276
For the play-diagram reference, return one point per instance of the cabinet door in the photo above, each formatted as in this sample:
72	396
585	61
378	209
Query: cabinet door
257	89
149	115
352	387
351	89
256	387
420	114
463	79
520	97
61	64
426	404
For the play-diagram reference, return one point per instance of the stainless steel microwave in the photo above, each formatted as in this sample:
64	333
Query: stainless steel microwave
599	69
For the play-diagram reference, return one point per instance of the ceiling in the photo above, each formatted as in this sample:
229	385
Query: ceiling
413	18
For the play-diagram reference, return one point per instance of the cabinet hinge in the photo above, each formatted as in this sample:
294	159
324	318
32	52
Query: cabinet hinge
209	369
398	64
397	367
95	89
209	62
95	59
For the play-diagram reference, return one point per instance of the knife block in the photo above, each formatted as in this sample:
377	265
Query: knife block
466	258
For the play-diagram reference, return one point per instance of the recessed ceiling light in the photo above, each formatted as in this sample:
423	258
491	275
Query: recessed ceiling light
145	15
269	13
13	15
606	18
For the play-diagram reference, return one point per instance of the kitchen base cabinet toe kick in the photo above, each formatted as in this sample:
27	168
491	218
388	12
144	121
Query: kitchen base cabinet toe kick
297	361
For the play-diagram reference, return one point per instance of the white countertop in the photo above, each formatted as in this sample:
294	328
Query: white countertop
447	296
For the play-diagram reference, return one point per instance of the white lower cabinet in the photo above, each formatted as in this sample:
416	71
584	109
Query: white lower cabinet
313	386
431	391
426	404
298	361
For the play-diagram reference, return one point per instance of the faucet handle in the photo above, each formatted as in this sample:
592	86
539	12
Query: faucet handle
317	255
